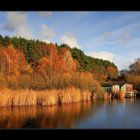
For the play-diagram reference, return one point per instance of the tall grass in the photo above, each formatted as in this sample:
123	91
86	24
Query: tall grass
32	89
26	97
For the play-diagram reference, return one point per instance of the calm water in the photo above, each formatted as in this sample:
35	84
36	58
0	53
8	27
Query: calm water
124	113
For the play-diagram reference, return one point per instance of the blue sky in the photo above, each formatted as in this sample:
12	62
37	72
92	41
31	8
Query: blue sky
113	36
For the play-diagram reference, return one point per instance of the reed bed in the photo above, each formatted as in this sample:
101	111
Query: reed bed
86	95
26	97
69	95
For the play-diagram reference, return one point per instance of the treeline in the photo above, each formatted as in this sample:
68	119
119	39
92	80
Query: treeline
35	49
54	70
35	73
132	75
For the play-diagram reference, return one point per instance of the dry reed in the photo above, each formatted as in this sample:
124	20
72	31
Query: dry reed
26	97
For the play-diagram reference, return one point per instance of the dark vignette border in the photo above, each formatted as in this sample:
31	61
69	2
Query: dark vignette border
71	5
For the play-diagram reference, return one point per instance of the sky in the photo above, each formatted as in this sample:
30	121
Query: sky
113	36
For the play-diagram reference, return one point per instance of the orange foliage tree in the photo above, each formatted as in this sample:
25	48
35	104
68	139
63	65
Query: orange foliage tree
2	61
133	74
135	67
12	61
70	63
48	50
44	67
112	72
54	63
99	73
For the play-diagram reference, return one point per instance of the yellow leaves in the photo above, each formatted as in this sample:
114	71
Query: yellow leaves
44	61
10	48
70	63
47	50
110	69
99	77
13	61
112	72
28	69
133	78
44	67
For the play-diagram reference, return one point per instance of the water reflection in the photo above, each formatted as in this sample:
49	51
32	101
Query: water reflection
43	117
121	101
116	113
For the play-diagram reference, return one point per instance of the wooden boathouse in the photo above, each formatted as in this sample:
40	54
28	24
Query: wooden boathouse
115	89
127	89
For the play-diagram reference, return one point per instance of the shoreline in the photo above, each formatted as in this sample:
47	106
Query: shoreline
26	97
50	97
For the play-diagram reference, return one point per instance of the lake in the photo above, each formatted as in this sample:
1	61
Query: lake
117	113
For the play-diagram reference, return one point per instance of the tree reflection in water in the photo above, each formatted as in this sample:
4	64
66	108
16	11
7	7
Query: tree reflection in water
99	113
43	117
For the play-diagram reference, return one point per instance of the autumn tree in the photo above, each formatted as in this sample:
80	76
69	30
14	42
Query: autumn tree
44	66
2	61
51	61
48	50
12	61
99	73
70	63
35	49
112	72
135	67
23	66
133	74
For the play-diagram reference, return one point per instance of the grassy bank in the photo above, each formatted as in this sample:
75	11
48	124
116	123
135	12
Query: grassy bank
25	97
32	89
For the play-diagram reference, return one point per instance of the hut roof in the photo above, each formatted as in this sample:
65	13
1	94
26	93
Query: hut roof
125	84
108	84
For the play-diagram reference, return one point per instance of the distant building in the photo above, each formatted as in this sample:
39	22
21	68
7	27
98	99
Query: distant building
111	87
115	88
123	88
126	88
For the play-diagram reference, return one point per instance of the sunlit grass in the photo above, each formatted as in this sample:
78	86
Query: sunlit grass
26	97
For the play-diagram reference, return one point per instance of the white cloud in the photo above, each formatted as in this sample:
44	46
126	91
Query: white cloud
14	20
46	41
122	62
102	55
17	22
120	35
44	14
70	40
23	31
46	32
